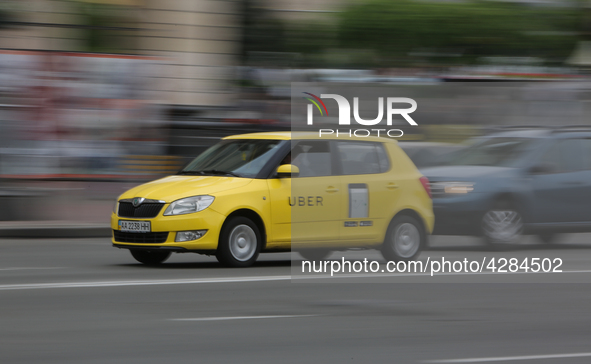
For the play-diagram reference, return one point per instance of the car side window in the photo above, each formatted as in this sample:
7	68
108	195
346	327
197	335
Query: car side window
586	156
383	160
571	153
565	155
313	158
362	157
551	159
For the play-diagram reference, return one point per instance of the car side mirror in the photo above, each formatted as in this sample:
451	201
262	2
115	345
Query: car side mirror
543	168
288	171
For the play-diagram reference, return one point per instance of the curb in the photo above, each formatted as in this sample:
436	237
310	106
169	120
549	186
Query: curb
46	232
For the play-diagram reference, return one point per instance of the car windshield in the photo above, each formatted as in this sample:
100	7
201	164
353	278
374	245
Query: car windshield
499	152
238	158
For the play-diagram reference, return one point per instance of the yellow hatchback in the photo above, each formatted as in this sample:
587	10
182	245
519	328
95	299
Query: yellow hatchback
277	192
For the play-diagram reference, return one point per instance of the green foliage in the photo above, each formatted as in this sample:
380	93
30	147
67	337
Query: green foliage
5	18
262	31
108	28
312	40
398	29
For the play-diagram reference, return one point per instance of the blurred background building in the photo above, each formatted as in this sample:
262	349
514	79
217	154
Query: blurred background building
87	85
131	89
193	42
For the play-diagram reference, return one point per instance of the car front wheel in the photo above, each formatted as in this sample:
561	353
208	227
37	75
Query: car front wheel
502	224
405	239
240	243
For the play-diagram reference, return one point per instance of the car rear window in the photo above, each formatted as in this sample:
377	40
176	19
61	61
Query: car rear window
499	152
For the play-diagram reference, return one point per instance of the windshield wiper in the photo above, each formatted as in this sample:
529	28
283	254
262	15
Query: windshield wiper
217	171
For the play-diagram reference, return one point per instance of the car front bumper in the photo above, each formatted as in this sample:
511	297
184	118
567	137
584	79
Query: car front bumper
164	229
459	215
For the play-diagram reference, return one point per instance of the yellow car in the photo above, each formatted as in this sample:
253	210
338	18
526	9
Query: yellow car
277	192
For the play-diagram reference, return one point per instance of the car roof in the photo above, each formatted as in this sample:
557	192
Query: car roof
281	135
542	132
522	133
287	135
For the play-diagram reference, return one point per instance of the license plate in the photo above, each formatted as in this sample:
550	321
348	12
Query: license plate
135	226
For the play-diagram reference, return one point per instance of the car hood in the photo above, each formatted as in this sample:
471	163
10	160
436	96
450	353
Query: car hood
175	187
464	173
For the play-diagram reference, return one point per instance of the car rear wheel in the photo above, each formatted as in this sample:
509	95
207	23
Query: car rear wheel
405	239
502	224
240	243
149	257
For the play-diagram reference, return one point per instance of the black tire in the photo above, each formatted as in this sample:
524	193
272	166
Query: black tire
150	257
404	240
315	254
502	225
240	242
548	238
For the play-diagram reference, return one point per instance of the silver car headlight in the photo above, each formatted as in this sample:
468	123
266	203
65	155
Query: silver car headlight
440	188
458	187
189	205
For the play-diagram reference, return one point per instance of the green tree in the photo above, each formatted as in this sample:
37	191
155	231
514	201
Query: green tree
397	29
261	30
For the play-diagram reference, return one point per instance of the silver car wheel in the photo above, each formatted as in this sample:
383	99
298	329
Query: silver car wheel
243	242
407	240
502	225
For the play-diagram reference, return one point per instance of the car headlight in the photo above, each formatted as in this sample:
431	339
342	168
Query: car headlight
458	187
189	205
439	188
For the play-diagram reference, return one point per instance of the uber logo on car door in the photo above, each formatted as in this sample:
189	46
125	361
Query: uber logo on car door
358	200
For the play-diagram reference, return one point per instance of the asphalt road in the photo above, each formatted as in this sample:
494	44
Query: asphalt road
82	301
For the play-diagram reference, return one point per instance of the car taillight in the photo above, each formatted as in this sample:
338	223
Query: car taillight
425	182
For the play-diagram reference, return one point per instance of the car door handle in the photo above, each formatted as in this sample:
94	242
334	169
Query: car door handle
331	189
392	186
573	183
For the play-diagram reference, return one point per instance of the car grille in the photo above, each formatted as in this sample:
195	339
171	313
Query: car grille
145	210
140	238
